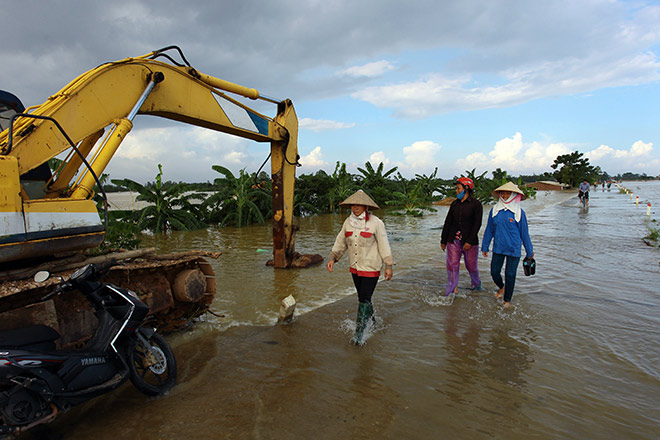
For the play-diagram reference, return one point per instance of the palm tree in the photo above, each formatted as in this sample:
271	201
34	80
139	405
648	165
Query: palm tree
169	207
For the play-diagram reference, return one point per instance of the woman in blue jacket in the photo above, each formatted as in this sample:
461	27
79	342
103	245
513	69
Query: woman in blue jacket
507	229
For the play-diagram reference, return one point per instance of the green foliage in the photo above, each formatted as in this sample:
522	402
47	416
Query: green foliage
246	198
169	208
98	195
430	184
412	201
573	168
634	176
122	233
54	164
482	185
313	193
375	182
343	185
234	201
653	236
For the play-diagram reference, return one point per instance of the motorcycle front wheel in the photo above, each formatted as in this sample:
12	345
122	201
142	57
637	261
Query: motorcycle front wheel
152	368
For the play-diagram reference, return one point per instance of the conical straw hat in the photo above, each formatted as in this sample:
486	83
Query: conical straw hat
359	197
509	186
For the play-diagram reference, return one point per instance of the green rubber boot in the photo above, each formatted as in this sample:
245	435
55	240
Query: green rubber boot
370	314
365	312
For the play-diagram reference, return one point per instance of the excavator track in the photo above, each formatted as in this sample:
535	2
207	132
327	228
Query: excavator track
177	288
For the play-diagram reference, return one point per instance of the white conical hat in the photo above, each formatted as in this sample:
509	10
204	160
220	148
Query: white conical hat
360	197
509	186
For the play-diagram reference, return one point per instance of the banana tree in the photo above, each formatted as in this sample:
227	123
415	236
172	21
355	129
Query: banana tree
170	208
235	200
412	201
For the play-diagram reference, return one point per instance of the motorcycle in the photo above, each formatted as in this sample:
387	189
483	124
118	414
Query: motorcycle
37	381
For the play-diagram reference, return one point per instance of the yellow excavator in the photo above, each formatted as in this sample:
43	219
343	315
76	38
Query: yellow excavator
45	212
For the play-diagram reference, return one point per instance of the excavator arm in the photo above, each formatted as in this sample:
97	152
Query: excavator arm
92	115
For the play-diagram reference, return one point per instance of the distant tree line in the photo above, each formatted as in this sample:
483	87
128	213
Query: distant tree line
245	198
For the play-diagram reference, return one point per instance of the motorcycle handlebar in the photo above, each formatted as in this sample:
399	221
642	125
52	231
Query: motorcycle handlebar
97	271
58	290
103	268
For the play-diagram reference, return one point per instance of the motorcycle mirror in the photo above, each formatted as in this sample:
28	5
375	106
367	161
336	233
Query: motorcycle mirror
41	276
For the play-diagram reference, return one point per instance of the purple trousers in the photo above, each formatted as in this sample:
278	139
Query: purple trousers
454	252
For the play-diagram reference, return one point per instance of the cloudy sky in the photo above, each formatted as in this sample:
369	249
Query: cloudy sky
417	84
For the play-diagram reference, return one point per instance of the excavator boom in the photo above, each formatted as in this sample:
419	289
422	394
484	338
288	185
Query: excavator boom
91	116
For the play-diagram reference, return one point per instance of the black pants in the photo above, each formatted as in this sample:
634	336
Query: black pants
365	287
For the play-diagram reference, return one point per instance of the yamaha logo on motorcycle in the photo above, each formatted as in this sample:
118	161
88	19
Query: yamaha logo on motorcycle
37	381
92	361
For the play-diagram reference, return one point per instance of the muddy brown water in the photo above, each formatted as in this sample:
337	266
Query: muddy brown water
578	356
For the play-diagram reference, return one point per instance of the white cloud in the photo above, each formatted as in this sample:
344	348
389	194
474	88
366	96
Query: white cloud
515	157
370	70
235	158
313	160
439	94
322	124
420	156
379	157
636	159
186	154
640	148
600	152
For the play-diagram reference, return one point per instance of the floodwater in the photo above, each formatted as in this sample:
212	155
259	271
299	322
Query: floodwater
577	357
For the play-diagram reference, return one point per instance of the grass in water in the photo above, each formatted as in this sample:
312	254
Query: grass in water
654	235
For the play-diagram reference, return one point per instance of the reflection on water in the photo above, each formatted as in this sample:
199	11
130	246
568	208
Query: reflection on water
578	356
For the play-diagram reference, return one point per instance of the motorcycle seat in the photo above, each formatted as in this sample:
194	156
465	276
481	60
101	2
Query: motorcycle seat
26	336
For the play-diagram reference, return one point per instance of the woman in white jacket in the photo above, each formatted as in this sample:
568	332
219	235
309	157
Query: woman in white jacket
364	237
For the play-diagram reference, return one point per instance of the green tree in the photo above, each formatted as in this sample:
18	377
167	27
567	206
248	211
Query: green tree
315	190
573	168
168	209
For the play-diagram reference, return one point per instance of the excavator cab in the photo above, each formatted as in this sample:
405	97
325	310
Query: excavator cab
28	217
34	181
9	106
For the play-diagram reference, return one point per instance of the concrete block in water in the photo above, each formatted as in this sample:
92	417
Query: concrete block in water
287	308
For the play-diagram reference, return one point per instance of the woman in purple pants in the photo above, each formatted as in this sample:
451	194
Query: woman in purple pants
460	235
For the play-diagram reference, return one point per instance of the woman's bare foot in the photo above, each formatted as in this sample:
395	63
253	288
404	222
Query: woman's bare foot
500	293
507	305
